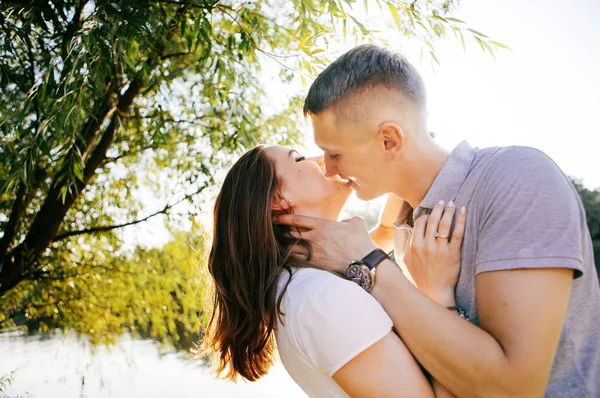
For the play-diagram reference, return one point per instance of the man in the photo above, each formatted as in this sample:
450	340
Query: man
527	283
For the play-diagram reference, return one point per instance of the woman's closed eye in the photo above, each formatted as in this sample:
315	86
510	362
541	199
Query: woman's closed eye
300	158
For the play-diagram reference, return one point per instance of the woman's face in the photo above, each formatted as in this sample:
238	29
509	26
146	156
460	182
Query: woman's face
303	182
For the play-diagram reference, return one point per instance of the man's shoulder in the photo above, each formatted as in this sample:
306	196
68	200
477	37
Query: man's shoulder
505	165
509	157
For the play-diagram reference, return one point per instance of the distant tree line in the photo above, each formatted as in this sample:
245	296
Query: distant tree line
591	203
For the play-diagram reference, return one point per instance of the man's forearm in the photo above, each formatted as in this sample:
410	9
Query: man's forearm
464	358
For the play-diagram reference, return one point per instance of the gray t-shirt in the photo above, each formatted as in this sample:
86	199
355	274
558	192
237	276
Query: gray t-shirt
525	213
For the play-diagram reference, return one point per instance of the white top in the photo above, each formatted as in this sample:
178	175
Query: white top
327	321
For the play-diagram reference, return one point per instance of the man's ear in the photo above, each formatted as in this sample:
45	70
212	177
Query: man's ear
392	137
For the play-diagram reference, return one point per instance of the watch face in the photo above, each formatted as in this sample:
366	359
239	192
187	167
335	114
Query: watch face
359	273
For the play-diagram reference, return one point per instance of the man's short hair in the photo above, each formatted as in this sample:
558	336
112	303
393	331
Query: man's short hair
360	68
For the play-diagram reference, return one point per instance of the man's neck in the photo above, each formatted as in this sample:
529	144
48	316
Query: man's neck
424	165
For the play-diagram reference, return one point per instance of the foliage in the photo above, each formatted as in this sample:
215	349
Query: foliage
6	380
106	103
155	293
591	203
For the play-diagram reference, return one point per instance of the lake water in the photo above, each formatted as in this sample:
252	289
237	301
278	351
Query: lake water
53	365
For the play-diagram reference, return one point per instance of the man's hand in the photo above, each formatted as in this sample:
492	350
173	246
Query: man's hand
334	244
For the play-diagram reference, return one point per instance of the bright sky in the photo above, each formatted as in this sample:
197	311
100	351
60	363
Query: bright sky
545	93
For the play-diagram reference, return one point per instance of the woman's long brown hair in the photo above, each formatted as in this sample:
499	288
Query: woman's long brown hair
247	257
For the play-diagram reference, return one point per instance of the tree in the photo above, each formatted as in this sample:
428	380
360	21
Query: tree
591	204
101	99
154	293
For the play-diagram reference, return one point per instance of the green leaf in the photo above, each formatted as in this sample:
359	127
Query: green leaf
63	193
454	20
480	42
78	172
395	15
362	27
498	44
434	57
476	32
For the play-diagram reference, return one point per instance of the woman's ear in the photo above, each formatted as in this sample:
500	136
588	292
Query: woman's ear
281	205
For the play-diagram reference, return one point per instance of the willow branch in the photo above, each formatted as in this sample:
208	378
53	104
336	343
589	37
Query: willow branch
106	228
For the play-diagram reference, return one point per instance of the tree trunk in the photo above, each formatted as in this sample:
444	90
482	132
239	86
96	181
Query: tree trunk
18	264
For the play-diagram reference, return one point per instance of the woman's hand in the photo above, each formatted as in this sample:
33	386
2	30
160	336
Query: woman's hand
433	258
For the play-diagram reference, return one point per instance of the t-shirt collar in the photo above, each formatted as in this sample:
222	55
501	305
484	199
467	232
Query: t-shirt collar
447	183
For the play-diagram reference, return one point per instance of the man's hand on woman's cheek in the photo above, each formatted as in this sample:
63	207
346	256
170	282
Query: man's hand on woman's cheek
334	244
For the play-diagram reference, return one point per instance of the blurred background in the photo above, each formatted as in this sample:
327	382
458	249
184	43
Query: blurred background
119	119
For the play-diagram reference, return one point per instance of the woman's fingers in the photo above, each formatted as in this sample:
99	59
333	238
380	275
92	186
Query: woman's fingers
459	229
433	222
446	221
419	228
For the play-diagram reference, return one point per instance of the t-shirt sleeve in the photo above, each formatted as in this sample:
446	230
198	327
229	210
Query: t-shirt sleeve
336	322
531	217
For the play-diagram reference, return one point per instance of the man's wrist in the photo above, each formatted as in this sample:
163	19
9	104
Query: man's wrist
364	250
355	255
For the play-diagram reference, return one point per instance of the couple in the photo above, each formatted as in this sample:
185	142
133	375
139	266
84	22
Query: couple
500	302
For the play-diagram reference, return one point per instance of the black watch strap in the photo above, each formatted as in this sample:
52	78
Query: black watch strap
373	259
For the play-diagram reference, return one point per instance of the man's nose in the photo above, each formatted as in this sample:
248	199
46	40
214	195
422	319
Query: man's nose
320	160
330	168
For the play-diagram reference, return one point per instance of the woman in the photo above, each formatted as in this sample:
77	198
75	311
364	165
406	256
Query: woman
267	290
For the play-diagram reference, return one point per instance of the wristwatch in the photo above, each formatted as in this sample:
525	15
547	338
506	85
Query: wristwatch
362	271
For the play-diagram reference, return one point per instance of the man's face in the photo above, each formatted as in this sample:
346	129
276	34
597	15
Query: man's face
354	155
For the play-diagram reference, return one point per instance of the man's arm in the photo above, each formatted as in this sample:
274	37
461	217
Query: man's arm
521	314
385	369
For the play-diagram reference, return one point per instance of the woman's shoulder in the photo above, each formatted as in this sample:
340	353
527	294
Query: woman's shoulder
311	287
310	281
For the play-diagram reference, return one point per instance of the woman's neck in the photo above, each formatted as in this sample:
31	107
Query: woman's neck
329	210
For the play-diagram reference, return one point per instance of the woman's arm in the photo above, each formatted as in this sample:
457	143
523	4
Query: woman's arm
385	369
383	233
